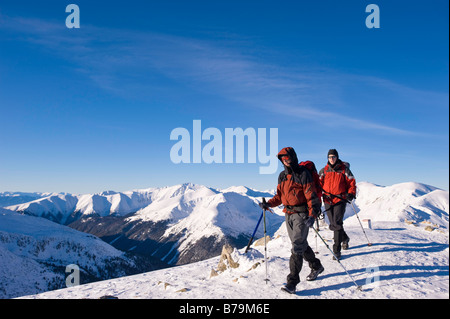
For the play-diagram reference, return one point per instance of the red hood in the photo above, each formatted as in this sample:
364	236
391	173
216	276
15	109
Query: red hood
288	151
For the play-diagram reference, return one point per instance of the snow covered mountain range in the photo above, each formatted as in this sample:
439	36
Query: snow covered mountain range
177	225
14	198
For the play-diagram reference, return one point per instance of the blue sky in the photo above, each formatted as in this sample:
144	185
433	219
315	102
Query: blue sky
91	109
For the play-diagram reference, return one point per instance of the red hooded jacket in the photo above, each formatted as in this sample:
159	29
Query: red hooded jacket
337	180
295	188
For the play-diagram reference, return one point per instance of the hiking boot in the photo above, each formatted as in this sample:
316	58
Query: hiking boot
338	255
289	288
314	273
345	244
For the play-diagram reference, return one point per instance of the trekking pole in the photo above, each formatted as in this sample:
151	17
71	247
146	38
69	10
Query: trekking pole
353	207
256	228
317	226
265	242
254	232
337	259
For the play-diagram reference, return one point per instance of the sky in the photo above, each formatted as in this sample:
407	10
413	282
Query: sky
89	109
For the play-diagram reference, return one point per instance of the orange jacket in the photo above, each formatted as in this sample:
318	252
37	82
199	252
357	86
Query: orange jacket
337	180
295	187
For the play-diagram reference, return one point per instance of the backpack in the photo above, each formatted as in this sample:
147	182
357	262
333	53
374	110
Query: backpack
311	167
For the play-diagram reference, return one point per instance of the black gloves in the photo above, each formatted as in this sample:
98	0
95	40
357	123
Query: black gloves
264	205
350	197
310	221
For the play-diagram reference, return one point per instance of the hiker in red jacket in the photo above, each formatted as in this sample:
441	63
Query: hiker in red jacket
339	186
296	191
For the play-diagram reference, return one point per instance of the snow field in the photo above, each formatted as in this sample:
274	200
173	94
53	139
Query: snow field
404	262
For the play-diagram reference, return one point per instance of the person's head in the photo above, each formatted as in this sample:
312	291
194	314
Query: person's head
333	156
288	157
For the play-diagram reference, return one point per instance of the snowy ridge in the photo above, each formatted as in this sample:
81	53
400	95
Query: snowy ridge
412	202
199	211
34	253
64	208
15	198
228	208
152	204
57	207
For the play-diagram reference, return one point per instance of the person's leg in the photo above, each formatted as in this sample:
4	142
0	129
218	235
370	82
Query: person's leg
310	257
337	238
298	232
314	264
332	214
339	213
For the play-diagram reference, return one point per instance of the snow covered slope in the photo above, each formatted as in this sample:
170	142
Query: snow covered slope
15	198
413	202
406	260
34	253
202	211
403	262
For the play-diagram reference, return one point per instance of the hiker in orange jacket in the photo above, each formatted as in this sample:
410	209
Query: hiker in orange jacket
339	186
296	191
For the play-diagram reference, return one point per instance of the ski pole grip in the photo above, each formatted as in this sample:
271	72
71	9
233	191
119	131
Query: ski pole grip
264	200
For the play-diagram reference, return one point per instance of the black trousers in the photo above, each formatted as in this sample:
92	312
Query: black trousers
335	215
298	234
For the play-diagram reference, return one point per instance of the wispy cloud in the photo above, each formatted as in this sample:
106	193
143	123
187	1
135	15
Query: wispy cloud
128	62
335	119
